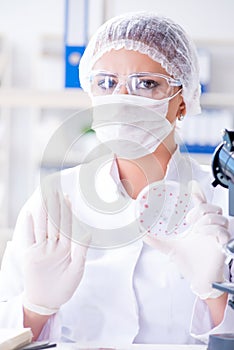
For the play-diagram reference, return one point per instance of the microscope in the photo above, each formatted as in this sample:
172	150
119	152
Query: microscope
223	172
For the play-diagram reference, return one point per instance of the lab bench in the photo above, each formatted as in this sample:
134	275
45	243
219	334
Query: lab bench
75	346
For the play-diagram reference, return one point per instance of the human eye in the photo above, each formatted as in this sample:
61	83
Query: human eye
106	82
152	86
147	83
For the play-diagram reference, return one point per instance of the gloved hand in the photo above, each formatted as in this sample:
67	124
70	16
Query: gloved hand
53	264
199	253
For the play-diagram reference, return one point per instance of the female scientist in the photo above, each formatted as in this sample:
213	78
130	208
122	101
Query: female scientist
140	288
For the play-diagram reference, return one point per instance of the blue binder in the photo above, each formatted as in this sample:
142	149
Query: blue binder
76	37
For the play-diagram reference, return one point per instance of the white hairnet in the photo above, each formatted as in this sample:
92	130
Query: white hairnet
158	37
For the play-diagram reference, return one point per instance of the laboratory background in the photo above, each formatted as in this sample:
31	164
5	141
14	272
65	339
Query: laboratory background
41	43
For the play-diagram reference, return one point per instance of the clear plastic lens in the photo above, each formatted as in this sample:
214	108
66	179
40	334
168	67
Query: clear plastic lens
103	83
150	86
156	86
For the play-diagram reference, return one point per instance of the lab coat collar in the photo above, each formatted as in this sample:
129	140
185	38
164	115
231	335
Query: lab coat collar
173	170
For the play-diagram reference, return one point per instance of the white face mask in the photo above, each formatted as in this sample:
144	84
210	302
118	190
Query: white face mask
131	126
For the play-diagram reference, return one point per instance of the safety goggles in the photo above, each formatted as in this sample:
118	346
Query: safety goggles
145	84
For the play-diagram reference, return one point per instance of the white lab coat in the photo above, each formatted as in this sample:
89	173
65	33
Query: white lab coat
128	294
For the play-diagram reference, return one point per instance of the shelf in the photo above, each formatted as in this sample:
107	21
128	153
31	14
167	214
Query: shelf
76	98
218	100
204	42
67	98
206	149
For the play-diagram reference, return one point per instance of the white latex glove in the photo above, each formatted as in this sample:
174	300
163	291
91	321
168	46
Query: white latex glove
199	253
53	265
